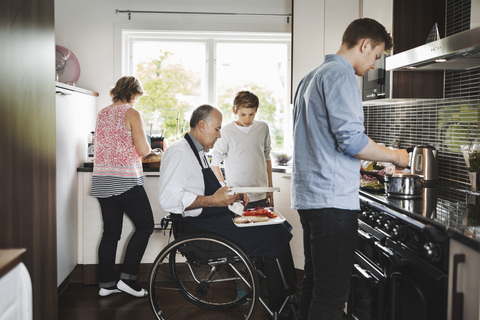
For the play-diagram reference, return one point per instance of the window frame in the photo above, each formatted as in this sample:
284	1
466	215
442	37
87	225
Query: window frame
211	39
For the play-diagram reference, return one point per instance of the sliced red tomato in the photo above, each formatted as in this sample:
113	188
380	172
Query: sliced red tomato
260	212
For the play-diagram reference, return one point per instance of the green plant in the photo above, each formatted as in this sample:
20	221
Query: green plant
474	159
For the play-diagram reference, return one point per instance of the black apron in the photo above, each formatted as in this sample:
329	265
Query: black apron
210	181
269	241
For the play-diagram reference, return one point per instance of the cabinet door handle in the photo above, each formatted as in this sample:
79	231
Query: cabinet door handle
152	175
457	297
63	93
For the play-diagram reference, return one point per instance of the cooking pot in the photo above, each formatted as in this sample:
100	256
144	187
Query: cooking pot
403	185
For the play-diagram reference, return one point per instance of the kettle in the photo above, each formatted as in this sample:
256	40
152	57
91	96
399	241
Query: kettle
424	161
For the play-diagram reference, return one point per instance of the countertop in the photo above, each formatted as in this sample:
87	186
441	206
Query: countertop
9	258
88	167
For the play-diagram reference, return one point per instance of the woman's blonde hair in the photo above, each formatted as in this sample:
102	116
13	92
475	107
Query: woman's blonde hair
126	88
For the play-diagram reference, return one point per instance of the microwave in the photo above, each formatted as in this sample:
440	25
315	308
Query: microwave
376	83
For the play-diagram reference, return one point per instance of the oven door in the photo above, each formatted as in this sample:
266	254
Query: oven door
366	300
416	289
366	291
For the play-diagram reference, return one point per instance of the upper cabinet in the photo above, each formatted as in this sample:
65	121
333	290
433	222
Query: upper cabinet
412	22
318	27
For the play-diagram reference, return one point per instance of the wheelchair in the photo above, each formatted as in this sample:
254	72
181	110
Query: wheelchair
200	274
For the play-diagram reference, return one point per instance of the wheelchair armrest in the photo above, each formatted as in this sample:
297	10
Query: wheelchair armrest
172	222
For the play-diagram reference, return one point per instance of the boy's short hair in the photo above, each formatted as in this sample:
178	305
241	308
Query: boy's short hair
366	28
245	99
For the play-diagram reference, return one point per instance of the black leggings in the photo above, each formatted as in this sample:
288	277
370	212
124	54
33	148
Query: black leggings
135	204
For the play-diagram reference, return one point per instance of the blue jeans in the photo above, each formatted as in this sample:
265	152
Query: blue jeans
135	204
330	240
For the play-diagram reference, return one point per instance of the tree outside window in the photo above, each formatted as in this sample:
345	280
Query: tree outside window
179	75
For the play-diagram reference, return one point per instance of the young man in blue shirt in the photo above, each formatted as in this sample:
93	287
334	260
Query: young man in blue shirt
329	142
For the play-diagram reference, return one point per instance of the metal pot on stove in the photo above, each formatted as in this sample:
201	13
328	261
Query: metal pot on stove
403	185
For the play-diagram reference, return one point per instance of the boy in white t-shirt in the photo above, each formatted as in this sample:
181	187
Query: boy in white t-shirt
245	147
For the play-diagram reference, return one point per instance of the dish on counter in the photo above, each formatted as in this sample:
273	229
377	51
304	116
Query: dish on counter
250	219
67	66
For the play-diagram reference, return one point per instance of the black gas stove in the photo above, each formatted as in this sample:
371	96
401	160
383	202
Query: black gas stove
402	254
443	206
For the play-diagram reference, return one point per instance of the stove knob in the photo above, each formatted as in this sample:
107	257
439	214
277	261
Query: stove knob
388	225
365	215
431	250
399	232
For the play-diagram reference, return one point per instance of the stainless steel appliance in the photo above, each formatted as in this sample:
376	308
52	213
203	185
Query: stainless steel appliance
376	83
401	263
460	51
424	162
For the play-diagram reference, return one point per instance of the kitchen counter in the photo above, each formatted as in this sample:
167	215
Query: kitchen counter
447	206
88	167
9	258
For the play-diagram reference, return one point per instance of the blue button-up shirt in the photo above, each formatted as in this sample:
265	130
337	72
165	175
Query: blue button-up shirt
328	132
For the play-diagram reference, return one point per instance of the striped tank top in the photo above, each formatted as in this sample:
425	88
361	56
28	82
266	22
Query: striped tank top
116	165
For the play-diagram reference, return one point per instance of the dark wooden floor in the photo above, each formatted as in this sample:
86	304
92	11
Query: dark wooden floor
79	301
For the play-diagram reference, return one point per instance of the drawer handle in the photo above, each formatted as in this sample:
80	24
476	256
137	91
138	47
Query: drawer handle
363	272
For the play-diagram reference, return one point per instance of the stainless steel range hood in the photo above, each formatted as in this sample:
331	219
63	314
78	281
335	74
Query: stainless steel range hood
460	51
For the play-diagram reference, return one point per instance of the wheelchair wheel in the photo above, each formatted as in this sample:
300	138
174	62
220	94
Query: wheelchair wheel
199	275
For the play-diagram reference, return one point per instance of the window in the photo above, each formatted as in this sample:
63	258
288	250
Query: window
180	71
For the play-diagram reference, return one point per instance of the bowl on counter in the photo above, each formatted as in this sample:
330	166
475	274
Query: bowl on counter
281	158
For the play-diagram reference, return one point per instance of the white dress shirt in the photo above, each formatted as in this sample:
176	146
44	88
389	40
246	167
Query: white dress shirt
181	178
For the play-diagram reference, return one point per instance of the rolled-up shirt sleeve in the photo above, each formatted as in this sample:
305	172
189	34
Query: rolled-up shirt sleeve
175	192
268	145
218	152
346	113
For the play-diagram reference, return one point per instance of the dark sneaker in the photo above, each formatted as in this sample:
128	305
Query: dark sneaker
131	287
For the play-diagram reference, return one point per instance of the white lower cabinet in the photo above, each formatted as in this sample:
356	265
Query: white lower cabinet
463	282
16	294
283	205
90	223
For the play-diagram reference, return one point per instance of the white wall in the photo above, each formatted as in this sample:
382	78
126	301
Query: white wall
317	31
92	29
75	118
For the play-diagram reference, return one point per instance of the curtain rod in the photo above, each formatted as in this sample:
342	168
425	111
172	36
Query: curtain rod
287	15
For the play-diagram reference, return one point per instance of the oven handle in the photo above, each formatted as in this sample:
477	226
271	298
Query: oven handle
395	259
457	297
364	273
386	251
364	235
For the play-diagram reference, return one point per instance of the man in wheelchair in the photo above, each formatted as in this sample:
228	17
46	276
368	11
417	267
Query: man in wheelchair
190	190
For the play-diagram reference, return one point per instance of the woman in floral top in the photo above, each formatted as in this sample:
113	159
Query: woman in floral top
117	183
